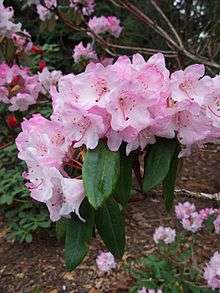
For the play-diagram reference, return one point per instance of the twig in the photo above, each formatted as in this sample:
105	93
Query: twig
168	22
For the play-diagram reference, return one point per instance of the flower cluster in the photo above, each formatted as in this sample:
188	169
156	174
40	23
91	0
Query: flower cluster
9	29
103	24
136	102
44	11
48	79
105	262
18	87
81	52
43	146
165	234
86	6
7	26
212	271
129	101
192	220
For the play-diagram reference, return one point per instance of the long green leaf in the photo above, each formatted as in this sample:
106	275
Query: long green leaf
61	229
124	184
157	163
78	234
101	169
111	227
170	180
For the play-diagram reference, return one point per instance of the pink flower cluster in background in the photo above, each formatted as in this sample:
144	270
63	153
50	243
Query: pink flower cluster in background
18	87
9	29
212	271
105	24
44	11
86	6
164	234
48	78
82	52
7	26
105	262
193	220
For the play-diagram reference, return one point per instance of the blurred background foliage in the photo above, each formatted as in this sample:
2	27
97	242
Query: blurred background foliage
196	21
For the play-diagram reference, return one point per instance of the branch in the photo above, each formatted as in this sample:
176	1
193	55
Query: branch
149	22
168	23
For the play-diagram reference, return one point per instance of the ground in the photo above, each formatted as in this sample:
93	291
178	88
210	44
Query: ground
39	267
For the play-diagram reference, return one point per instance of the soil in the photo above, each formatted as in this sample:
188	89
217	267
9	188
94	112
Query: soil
39	266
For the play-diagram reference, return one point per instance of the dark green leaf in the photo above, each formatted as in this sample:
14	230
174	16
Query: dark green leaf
124	184
61	229
111	227
100	173
157	163
78	234
170	180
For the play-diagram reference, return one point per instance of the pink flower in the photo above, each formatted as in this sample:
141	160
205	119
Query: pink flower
61	195
17	87
105	262
193	223
205	213
103	24
165	234
190	84
80	52
48	79
212	271
184	210
217	225
44	12
213	102
7	26
41	142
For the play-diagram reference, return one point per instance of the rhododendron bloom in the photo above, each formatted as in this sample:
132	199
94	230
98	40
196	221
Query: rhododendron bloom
217	225
7	26
103	24
48	79
61	195
212	271
17	87
190	84
193	223
41	141
184	210
105	262
44	11
165	234
81	52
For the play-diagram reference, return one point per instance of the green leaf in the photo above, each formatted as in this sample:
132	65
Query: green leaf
124	184
78	234
61	229
111	227
100	173
170	180
157	163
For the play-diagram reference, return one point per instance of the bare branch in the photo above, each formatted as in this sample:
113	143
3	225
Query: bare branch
149	22
168	23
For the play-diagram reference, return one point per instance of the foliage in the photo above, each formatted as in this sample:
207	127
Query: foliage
173	267
23	216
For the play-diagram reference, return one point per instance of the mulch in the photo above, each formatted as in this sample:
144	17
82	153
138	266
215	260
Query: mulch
39	266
